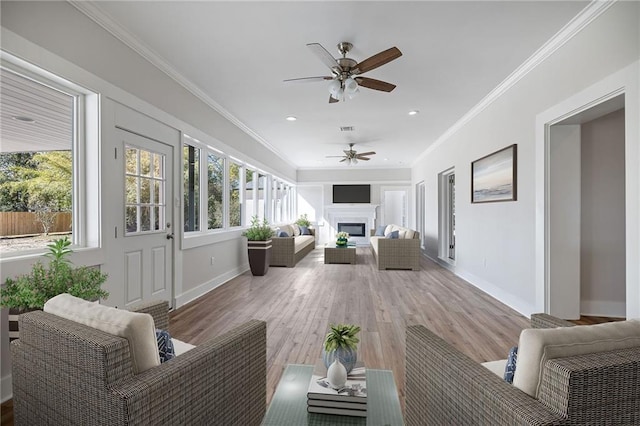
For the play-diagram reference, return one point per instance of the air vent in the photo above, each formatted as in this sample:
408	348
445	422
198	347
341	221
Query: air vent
346	128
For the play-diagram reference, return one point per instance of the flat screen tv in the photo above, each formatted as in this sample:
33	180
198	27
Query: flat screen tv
352	194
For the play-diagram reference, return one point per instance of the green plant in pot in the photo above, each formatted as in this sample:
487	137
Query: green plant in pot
31	291
341	342
259	245
303	220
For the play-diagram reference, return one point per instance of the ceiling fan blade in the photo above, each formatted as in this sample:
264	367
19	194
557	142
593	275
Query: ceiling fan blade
307	79
367	153
334	156
343	160
377	60
371	83
363	158
326	57
332	100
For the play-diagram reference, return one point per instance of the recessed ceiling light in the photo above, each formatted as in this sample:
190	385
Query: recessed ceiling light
23	119
291	118
414	112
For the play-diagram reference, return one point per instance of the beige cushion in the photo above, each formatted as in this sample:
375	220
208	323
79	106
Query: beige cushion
497	367
137	328
388	230
302	241
410	234
536	346
296	230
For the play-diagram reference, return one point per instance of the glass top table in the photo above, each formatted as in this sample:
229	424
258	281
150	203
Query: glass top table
289	404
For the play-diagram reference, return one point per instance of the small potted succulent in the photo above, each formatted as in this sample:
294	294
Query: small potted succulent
259	245
341	342
31	291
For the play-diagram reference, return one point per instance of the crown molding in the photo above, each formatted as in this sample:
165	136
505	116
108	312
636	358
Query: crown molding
587	15
96	14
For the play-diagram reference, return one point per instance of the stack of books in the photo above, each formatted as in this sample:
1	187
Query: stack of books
349	400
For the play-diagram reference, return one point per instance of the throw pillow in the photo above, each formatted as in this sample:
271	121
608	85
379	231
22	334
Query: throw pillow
304	230
296	230
510	369
165	345
393	235
380	231
282	234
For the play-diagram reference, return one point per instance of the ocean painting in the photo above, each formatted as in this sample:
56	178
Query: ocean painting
493	178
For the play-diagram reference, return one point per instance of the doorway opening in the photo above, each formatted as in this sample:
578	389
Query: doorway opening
585	248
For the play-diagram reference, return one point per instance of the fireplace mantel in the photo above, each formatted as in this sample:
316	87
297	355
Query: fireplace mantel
363	213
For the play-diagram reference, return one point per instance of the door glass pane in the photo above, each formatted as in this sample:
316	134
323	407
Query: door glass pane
145	185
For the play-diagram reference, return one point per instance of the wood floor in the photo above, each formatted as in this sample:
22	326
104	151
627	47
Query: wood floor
299	304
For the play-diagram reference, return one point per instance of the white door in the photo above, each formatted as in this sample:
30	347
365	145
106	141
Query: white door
146	234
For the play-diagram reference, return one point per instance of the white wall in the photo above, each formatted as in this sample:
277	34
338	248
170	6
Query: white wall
602	264
507	234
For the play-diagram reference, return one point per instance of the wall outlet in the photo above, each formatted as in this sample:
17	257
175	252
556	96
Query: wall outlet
213	259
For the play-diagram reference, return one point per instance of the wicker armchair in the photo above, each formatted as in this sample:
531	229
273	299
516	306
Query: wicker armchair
65	373
445	387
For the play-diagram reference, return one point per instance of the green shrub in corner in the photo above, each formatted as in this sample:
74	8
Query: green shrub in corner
32	290
258	231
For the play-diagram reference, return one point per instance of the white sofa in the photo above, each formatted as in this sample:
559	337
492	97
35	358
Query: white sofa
400	253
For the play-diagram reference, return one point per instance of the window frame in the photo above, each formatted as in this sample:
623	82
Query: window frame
85	151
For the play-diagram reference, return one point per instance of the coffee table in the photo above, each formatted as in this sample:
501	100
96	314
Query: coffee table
289	404
336	254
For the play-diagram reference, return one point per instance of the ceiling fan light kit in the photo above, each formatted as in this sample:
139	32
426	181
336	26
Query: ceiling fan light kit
345	78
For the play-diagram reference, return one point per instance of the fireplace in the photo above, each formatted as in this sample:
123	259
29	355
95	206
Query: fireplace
353	229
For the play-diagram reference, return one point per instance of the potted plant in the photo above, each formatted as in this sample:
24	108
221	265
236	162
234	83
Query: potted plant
31	291
303	220
341	342
259	245
342	239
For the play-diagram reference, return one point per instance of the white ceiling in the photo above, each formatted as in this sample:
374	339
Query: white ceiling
239	53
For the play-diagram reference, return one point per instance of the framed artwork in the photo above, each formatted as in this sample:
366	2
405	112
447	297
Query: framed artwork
494	177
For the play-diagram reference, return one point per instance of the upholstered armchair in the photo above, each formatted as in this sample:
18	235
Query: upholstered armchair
596	384
68	373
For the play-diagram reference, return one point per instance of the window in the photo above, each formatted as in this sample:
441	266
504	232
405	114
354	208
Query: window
144	188
215	188
249	203
235	213
191	178
261	193
234	192
43	154
421	219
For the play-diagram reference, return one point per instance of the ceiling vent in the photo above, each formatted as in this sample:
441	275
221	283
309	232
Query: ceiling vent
346	129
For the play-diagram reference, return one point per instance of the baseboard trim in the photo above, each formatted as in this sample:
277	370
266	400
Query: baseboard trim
6	388
202	289
508	299
598	308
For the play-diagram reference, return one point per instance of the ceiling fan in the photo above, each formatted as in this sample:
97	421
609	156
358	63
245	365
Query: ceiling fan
351	157
345	78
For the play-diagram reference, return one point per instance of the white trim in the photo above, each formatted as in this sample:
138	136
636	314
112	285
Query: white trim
603	308
570	30
517	304
202	289
623	81
96	14
6	388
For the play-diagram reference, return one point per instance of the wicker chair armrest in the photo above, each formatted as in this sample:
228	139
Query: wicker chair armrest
222	382
158	309
548	321
444	386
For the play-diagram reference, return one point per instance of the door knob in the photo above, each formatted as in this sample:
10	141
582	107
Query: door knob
169	236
